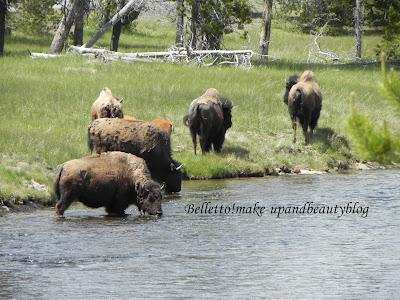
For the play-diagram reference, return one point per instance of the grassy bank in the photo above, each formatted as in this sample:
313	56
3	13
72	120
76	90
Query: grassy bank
44	107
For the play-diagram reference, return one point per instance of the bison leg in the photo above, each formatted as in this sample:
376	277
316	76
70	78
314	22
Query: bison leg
305	133
194	140
116	209
314	120
218	142
205	144
294	125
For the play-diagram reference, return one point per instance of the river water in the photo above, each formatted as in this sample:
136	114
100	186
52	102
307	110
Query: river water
87	255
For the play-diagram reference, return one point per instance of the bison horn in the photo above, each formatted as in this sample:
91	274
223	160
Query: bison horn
162	186
121	100
179	167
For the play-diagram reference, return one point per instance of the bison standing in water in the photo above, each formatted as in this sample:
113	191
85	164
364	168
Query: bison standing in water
142	139
106	106
304	100
209	117
113	180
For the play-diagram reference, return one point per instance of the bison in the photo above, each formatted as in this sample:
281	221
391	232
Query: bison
106	106
142	139
165	125
209	117
113	180
304	102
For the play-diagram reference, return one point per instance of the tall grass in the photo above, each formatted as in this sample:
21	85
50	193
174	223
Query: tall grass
44	105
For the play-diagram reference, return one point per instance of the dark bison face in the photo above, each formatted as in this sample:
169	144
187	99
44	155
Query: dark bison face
149	199
227	112
116	112
173	180
290	82
61	207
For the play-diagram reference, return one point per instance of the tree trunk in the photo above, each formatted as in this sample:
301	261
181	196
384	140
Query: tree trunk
116	31
358	20
3	12
79	22
266	29
123	12
195	22
64	27
180	14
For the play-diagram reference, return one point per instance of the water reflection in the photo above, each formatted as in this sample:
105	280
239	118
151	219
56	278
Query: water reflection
89	255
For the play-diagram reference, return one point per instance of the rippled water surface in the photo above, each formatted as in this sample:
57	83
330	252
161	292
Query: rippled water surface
87	255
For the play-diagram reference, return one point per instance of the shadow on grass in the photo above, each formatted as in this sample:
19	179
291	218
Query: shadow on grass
43	41
330	139
238	151
287	64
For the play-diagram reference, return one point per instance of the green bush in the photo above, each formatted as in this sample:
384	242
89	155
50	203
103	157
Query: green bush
371	142
377	143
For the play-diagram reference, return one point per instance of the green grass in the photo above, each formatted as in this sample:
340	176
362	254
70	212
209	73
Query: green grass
44	105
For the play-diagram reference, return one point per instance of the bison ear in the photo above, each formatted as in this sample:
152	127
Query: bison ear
172	167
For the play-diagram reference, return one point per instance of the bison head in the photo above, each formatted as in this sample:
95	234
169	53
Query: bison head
173	180
227	111
291	81
149	198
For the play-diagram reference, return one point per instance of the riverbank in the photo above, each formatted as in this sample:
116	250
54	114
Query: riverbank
38	196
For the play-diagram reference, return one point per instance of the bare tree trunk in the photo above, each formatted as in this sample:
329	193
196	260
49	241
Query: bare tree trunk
131	5
180	14
195	21
3	12
117	28
359	20
64	27
266	29
79	21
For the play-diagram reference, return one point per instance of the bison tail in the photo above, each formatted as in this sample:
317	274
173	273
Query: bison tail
57	182
186	120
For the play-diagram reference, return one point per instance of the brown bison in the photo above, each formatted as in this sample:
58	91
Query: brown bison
209	117
106	106
113	180
304	100
165	125
142	139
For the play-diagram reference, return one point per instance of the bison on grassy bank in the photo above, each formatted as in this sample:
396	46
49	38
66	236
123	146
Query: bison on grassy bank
304	102
106	106
114	180
142	139
209	117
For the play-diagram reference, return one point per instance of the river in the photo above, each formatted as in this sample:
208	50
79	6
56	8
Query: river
213	254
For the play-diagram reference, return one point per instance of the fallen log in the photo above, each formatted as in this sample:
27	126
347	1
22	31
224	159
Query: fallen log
235	57
41	55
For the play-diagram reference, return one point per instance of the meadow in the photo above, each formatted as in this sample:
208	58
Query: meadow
44	105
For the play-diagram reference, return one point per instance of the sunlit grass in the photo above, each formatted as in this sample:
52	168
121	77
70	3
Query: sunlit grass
44	105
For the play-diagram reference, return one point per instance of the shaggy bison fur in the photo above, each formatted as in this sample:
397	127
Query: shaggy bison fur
106	106
113	180
304	100
209	117
142	139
